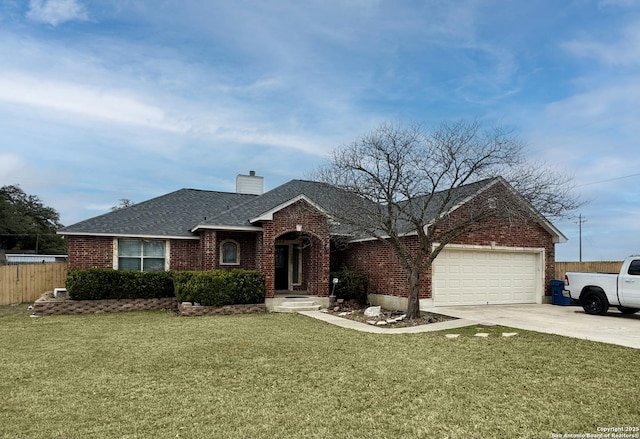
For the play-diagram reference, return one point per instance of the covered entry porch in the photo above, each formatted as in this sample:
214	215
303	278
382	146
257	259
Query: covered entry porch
299	273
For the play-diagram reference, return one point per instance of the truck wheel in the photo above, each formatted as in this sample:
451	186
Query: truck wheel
625	310
595	303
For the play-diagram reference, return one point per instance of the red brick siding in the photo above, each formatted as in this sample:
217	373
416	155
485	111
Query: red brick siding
380	262
247	245
185	255
205	254
90	251
315	262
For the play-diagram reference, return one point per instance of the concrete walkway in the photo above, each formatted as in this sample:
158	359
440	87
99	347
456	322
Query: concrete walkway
569	321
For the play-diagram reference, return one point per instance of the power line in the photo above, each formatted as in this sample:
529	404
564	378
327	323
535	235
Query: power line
609	179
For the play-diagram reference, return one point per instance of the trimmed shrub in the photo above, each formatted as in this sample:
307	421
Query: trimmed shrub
352	285
220	287
104	283
246	286
180	280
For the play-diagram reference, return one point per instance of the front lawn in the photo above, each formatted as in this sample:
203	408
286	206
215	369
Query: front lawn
154	375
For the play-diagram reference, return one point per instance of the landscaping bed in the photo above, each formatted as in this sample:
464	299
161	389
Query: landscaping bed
388	318
49	305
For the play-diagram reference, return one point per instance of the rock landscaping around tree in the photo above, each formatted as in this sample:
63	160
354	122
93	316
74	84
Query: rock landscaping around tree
379	316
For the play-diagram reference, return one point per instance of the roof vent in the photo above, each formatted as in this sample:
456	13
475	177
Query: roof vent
250	184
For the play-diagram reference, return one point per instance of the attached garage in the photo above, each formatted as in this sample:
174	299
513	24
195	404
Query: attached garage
485	276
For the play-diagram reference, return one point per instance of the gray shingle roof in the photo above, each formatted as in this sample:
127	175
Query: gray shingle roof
439	203
173	214
328	197
178	213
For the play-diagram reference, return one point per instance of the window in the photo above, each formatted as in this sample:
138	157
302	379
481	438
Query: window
141	255
634	268
296	265
229	253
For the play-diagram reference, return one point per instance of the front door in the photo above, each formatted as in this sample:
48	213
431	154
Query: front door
282	267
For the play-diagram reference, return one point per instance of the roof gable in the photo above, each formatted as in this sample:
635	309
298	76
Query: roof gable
268	215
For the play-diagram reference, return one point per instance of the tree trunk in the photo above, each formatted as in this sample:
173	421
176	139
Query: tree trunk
413	305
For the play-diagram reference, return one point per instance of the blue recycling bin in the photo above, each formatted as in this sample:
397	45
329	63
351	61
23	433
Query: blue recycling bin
556	294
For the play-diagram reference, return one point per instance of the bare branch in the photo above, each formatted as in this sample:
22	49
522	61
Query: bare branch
406	180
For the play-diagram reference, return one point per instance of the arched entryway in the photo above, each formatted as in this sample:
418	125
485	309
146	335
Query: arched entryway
298	263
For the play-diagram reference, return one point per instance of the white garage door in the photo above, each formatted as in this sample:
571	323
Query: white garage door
481	277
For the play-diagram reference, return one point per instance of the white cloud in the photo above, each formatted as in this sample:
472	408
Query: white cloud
270	138
55	12
9	163
605	106
83	101
625	51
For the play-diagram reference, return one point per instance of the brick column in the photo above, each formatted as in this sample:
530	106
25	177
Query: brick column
268	265
324	268
209	250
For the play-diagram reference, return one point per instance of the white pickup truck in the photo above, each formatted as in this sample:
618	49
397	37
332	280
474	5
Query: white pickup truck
597	291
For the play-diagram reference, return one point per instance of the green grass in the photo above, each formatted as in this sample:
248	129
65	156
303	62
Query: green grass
155	375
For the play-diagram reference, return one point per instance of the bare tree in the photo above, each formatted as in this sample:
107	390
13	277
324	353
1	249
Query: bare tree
124	203
409	179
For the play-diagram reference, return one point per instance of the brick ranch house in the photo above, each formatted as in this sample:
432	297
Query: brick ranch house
290	235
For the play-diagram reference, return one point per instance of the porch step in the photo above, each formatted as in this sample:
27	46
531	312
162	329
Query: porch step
298	305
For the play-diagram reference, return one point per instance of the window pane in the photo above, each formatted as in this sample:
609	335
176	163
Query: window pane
153	249
634	268
229	253
153	264
281	255
128	247
129	264
295	265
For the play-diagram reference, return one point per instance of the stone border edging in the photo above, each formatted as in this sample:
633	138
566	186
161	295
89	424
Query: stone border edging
363	327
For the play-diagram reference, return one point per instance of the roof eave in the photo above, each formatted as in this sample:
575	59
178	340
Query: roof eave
226	227
126	235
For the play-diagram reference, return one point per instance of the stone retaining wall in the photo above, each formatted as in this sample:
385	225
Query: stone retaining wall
47	307
44	307
189	310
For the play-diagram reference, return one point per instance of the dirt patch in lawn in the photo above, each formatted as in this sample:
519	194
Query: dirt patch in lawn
387	318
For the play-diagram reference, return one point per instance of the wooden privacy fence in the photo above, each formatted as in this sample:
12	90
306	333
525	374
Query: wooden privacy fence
587	267
27	282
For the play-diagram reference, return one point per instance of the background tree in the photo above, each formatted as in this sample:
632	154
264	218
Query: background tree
408	179
124	202
26	224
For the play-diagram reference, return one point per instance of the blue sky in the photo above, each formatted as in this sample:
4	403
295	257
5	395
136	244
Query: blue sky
104	100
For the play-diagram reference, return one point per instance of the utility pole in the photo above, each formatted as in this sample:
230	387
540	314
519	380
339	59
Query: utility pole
580	221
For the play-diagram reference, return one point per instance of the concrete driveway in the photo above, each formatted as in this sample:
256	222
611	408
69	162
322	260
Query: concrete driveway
570	321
